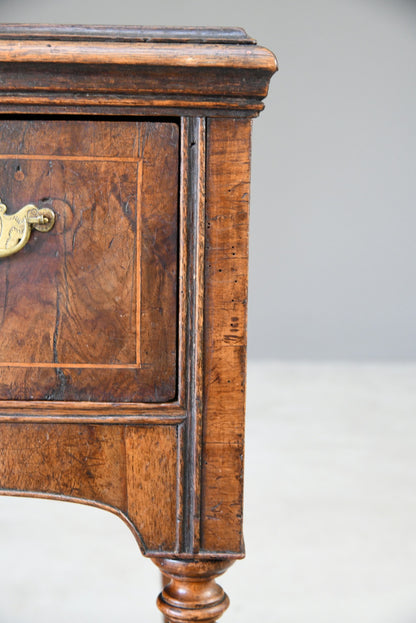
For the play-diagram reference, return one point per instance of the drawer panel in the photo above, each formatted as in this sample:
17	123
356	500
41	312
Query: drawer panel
88	311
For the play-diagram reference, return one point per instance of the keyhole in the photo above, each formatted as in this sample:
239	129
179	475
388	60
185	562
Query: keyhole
19	175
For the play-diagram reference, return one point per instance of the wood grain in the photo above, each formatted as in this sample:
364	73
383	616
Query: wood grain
130	471
192	593
193	237
152	472
225	313
177	71
88	310
153	54
74	461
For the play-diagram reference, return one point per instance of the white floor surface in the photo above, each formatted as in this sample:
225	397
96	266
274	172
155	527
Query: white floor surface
330	516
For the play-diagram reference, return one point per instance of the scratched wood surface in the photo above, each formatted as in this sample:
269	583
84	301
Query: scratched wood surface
225	313
88	310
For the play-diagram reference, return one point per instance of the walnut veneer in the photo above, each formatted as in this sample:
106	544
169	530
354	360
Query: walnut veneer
123	328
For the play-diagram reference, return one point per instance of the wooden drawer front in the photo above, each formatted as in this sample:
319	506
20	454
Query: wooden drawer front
88	311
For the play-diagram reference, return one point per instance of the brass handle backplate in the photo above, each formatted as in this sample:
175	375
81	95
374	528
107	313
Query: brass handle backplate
15	229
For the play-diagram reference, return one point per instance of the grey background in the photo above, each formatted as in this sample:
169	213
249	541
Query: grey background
330	517
333	267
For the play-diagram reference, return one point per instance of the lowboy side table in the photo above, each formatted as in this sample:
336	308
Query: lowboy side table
124	185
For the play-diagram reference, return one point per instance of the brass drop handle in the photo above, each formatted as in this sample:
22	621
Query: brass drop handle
15	229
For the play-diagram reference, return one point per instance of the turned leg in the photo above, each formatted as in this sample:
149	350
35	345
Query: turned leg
192	594
164	582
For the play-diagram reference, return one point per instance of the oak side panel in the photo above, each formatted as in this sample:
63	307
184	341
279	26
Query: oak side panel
152	473
225	314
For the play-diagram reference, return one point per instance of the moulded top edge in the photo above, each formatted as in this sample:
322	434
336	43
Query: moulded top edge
159	34
140	54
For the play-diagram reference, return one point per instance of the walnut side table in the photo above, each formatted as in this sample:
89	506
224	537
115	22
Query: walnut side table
125	163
